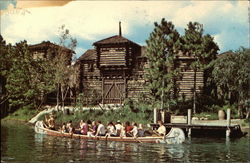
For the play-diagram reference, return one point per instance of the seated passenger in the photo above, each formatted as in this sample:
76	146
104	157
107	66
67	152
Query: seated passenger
51	122
68	125
45	121
71	129
63	130
92	129
118	128
128	128
123	132
161	131
101	131
141	130
111	129
81	124
85	128
134	131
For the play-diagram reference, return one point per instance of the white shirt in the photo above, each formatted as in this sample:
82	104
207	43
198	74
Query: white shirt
118	127
101	130
162	130
134	131
111	130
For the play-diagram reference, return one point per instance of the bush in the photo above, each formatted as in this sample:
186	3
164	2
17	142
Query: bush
131	111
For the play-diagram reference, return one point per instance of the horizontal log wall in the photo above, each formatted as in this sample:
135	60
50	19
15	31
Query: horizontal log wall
136	81
90	76
186	83
113	56
135	87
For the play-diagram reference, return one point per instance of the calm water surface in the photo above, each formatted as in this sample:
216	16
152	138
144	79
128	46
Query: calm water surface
19	143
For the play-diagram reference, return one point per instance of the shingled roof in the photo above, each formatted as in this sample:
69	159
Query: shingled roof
117	39
48	44
90	54
225	54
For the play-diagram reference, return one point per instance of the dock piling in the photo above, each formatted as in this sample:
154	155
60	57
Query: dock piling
155	115
228	122
228	117
189	122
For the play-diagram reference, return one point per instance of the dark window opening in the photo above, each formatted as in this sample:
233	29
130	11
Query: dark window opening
90	67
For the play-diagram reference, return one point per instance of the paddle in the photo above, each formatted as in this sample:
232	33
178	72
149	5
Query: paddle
134	137
157	133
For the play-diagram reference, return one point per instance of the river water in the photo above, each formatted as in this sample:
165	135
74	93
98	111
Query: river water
19	143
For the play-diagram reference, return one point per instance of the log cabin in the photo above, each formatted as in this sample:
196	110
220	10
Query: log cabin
50	51
115	70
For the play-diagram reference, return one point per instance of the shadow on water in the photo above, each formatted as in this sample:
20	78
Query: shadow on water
19	143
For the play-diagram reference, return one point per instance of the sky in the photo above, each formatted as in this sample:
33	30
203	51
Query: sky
91	21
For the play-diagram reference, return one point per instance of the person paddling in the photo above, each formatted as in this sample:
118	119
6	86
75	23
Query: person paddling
101	131
161	131
128	128
51	122
111	130
134	131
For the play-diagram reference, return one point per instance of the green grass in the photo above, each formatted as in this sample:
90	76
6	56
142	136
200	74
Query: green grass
22	114
209	115
214	115
245	122
123	114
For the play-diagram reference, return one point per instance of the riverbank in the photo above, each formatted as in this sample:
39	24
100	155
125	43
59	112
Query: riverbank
107	114
22	115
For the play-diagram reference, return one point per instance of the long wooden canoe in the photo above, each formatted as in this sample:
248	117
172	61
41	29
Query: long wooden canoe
175	136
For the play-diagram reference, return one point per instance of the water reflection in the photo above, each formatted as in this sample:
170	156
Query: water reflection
82	150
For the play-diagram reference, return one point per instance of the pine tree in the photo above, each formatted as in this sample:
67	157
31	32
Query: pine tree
202	48
161	74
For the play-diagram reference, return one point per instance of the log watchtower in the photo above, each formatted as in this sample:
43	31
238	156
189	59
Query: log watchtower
116	57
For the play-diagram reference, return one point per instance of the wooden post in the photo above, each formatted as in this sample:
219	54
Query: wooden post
228	122
155	115
228	117
189	122
189	117
163	116
102	90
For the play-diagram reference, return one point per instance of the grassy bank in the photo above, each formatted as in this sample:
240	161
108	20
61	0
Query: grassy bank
124	114
22	114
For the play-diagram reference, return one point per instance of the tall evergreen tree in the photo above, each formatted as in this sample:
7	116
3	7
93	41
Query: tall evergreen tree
202	48
161	74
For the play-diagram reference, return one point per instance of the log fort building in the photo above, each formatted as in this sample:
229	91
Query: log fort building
115	69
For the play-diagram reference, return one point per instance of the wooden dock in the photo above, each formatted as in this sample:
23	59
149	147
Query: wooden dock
209	128
200	130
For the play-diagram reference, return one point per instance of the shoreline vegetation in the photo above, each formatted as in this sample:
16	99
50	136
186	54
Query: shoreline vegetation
123	114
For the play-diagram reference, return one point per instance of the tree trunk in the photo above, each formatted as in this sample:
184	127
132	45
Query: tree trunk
64	94
162	95
194	95
57	95
240	110
62	97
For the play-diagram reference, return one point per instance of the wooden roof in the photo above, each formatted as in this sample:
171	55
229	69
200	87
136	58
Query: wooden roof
47	45
225	54
117	39
90	54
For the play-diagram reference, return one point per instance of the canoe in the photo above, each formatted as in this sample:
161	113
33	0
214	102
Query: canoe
175	136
